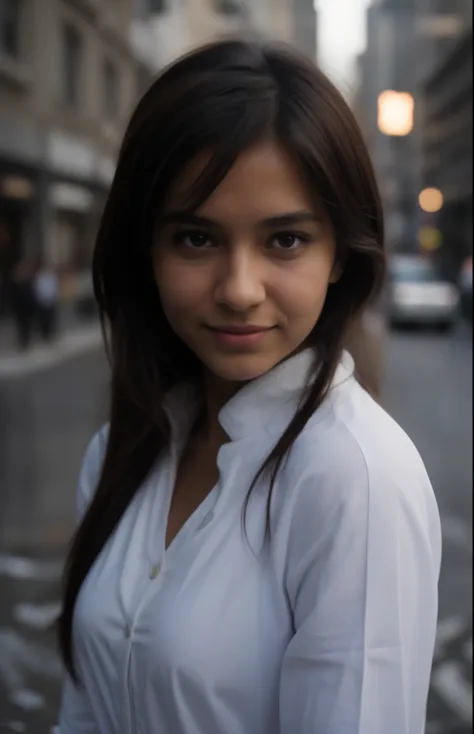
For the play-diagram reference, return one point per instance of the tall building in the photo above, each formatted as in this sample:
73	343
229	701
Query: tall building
70	71
305	27
423	47
388	64
446	87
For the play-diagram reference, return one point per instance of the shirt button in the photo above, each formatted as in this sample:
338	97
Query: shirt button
154	571
207	519
127	631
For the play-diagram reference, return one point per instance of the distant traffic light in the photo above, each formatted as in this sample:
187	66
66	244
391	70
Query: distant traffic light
430	238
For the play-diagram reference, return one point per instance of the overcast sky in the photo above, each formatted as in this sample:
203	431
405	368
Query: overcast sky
341	36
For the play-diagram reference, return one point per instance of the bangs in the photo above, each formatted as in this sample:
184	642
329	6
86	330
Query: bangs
218	141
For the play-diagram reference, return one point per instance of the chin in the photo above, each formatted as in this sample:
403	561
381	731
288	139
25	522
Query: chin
240	367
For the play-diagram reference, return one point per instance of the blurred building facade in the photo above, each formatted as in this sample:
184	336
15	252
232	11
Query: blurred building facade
70	71
423	47
306	28
446	78
387	64
182	25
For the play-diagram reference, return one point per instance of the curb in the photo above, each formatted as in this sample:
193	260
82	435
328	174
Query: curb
41	358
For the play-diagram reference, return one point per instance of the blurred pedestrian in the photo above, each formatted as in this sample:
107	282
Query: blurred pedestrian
259	543
23	302
46	288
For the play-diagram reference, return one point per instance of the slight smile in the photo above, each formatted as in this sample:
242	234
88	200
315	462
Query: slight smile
240	336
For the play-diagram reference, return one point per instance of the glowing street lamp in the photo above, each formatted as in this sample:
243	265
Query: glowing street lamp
395	113
431	200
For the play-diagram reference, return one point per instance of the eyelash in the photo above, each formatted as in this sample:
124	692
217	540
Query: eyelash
179	237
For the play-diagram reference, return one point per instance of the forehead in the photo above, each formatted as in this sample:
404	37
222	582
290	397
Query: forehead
263	179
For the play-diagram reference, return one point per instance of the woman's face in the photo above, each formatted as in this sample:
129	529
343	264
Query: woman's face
243	279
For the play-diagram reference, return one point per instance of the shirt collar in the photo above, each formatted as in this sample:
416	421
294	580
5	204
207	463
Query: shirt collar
268	402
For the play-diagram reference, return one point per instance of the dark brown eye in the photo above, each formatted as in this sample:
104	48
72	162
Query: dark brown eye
193	240
288	241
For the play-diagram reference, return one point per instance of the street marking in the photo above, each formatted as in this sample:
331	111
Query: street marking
28	700
37	616
18	726
43	357
27	569
448	629
18	656
457	532
456	694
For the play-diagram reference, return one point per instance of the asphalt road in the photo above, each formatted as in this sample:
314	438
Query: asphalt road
48	418
428	389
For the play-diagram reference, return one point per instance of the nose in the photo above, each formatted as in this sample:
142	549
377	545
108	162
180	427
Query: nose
240	286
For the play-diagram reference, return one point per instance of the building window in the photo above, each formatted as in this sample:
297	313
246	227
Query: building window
10	28
228	7
111	90
157	6
72	51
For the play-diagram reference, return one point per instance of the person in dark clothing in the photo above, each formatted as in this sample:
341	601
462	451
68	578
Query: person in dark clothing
46	292
23	303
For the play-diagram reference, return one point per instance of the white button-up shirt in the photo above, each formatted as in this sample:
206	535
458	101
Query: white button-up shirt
329	630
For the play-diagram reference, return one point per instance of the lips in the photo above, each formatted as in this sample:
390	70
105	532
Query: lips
243	330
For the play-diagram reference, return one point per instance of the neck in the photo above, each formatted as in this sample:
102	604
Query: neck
217	393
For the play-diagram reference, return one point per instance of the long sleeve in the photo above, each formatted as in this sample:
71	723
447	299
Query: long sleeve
76	715
362	577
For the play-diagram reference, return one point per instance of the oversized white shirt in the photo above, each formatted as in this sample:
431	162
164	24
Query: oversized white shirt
329	630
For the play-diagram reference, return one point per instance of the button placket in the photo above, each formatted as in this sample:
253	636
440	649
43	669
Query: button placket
154	571
208	518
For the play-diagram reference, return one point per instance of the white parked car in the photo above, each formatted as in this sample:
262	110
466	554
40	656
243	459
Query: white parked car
419	295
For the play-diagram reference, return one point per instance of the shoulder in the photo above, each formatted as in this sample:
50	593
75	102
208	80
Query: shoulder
354	459
91	467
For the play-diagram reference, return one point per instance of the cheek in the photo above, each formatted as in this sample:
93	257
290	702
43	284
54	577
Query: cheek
301	291
181	288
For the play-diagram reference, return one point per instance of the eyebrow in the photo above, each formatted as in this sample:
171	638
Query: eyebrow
282	220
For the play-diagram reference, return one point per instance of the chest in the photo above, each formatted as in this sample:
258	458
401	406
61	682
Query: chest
204	601
197	474
215	614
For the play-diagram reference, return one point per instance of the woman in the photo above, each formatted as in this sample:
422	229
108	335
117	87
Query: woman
259	544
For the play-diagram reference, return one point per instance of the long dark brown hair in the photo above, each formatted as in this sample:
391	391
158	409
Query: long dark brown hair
219	99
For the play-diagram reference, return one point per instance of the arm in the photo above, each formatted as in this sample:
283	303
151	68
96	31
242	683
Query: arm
76	715
362	580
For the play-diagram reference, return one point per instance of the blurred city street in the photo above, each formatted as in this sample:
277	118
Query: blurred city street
49	415
428	390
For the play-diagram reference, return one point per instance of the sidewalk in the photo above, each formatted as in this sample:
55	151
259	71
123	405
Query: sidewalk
75	336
